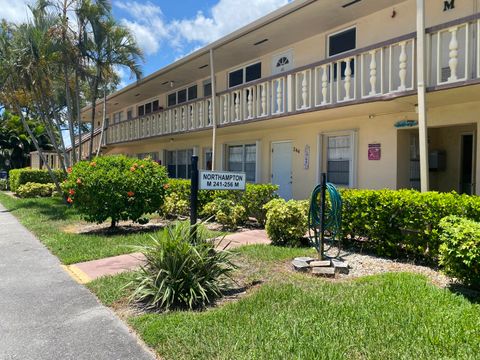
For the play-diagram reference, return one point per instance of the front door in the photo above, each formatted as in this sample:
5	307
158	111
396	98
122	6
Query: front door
282	168
466	164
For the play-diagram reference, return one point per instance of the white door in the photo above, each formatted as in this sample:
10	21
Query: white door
282	168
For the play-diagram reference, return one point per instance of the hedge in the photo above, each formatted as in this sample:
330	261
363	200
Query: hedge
252	199
32	190
394	223
27	175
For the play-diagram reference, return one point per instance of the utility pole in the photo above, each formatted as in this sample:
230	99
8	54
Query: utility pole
213	108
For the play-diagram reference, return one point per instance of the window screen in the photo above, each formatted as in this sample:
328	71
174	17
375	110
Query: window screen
342	42
253	72
339	157
243	158
148	108
179	163
182	96
141	111
155	105
172	99
207	89
235	78
192	92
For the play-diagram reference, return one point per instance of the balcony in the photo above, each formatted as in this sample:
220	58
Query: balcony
380	71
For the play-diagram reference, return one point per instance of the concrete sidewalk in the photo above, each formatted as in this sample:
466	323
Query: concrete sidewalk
46	315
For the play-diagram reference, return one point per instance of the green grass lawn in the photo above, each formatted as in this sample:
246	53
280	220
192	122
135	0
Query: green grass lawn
47	218
294	316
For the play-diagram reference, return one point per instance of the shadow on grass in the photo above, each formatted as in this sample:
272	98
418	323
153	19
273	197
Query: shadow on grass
107	231
51	208
470	294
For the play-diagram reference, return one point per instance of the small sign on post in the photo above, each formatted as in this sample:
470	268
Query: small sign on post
222	180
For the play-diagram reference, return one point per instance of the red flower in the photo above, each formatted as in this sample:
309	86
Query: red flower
69	200
71	192
133	168
93	163
79	181
166	186
130	193
69	170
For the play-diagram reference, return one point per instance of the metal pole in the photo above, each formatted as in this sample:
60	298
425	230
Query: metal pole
422	112
322	214
194	199
214	108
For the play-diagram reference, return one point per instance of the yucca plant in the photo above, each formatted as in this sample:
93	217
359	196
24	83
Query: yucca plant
182	271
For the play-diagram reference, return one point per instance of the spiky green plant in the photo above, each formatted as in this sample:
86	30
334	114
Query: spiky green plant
182	271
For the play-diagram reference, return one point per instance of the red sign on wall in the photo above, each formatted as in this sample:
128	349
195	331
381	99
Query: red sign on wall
374	151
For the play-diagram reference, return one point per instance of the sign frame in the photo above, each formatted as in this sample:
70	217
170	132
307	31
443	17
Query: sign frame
222	180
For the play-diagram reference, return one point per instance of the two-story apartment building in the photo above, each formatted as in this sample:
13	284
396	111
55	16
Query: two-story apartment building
318	86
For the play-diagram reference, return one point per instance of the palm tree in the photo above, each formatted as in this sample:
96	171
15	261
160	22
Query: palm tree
111	46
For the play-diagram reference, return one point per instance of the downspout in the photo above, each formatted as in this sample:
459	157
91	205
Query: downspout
422	111
214	108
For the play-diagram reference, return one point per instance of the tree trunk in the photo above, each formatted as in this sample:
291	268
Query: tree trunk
103	120
79	120
92	120
70	114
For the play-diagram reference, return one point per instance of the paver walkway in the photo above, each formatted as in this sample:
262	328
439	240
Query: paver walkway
45	315
90	270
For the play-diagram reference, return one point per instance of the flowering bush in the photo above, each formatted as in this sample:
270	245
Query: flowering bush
116	188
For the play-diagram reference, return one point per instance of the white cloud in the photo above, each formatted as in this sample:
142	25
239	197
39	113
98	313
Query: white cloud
15	11
226	16
146	21
146	24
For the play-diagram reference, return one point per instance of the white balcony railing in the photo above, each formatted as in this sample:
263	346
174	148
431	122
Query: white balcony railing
382	70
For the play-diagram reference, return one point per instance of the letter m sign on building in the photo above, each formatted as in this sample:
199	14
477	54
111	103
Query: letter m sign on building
448	5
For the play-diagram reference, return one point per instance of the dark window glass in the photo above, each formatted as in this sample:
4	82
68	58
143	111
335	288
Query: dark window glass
172	99
253	72
155	105
339	172
141	111
182	96
342	42
207	89
129	114
192	92
148	108
235	78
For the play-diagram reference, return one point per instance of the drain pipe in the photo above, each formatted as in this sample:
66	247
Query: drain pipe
422	111
213	108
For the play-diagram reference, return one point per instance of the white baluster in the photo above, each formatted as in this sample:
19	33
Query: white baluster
279	95
304	89
348	79
250	103
209	112
373	72
236	95
453	55
200	114
324	84
184	117
403	66
192	119
225	108
264	99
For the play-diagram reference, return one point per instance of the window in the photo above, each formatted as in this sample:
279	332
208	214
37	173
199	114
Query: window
155	106
141	110
208	158
282	62
179	163
148	108
342	42
130	114
152	155
245	75
340	159
207	88
242	158
117	117
181	96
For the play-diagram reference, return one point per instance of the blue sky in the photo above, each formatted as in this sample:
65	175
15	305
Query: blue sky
166	30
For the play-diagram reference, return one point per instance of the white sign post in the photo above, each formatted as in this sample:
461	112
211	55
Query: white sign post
222	180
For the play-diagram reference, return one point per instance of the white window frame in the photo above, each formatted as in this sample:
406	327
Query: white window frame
327	50
244	144
287	53
322	154
165	157
205	151
176	91
244	68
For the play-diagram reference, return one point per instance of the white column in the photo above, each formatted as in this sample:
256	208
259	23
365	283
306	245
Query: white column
422	112
214	112
258	161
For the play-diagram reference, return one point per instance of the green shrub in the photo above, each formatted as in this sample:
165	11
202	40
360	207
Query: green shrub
225	212
398	223
175	206
22	176
252	199
460	249
116	188
31	190
3	184
287	221
180	274
255	197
